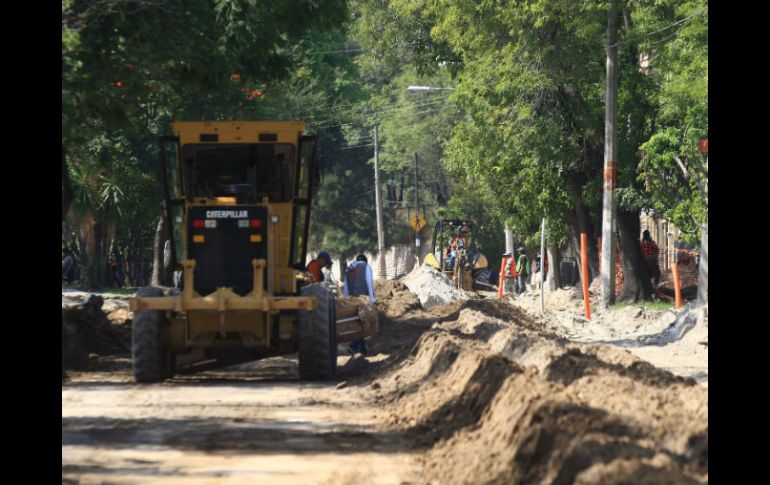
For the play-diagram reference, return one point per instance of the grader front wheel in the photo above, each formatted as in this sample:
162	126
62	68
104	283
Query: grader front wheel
152	361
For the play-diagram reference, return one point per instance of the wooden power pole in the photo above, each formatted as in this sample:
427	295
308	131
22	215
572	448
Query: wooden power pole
417	242
610	159
380	233
703	266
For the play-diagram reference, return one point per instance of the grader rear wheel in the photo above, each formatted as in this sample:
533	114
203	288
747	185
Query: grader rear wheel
318	336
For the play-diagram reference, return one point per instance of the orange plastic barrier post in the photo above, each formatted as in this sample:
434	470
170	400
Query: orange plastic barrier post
584	268
502	279
677	287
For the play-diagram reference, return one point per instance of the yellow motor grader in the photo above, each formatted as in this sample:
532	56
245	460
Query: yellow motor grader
238	197
455	253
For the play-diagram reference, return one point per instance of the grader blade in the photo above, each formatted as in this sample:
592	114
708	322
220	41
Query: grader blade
356	318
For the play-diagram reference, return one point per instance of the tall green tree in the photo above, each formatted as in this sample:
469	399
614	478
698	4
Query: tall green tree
530	84
673	170
129	68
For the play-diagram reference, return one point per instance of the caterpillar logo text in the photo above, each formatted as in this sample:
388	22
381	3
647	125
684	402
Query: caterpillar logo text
226	215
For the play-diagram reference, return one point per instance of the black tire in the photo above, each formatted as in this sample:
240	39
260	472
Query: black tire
318	336
151	360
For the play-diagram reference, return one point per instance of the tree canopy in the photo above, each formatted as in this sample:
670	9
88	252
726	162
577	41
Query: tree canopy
511	131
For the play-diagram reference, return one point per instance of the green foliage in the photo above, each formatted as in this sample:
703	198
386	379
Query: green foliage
518	136
529	88
674	173
130	68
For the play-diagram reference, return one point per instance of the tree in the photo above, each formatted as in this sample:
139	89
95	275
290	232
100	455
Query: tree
530	84
129	68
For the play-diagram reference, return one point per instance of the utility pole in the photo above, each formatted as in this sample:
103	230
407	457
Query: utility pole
509	240
541	268
380	233
610	159
416	206
703	265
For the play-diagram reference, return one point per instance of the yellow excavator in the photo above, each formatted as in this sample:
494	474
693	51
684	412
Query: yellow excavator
455	253
238	196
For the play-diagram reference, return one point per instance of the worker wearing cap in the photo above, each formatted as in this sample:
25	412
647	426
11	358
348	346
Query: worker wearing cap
522	270
459	241
359	281
315	266
650	256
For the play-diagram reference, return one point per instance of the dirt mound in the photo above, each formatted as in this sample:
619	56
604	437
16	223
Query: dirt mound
432	287
394	298
87	330
494	400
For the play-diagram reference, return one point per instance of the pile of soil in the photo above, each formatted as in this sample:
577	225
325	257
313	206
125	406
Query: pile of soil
493	399
394	299
88	331
432	287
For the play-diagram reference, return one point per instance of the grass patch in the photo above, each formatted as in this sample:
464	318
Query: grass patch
647	305
117	291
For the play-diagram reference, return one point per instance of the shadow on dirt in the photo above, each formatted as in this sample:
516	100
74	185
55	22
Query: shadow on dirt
574	364
229	436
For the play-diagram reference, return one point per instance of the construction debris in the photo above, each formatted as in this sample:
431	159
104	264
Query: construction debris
432	287
87	329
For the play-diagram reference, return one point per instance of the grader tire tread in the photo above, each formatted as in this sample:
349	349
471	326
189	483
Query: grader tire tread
318	336
149	358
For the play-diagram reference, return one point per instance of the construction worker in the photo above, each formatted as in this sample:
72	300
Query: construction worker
460	241
540	264
650	256
359	281
522	270
314	267
68	266
117	272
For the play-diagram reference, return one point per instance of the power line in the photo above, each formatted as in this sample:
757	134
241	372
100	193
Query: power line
357	146
341	51
338	107
388	109
380	115
701	12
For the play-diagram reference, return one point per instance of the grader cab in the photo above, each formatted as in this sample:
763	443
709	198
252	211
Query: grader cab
238	198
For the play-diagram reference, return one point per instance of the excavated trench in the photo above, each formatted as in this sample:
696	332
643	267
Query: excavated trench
473	391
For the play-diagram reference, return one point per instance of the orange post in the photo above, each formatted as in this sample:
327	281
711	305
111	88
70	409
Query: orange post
584	268
677	287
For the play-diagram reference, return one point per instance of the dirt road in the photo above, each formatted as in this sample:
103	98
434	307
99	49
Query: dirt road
471	392
255	423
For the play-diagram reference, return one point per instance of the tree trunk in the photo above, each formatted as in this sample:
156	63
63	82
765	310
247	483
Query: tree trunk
67	193
554	268
636	278
159	277
94	260
703	267
343	264
582	223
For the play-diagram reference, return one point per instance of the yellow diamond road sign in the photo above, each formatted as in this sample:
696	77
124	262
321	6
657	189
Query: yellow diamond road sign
417	222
